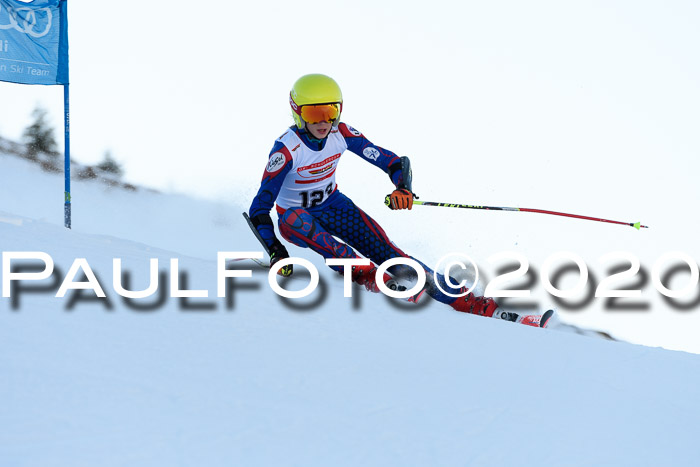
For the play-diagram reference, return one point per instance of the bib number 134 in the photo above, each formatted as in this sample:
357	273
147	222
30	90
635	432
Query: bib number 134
316	197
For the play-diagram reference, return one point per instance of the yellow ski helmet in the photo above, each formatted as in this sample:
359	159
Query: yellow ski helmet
314	98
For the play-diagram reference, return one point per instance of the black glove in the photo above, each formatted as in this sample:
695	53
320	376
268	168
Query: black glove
277	253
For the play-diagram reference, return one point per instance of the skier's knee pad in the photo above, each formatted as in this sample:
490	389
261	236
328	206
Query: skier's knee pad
296	223
296	218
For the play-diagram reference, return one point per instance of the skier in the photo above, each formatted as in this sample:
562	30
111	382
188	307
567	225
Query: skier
313	213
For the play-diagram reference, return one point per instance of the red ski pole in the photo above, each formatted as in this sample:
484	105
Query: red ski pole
636	225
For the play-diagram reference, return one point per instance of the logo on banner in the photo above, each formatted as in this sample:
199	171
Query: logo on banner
35	22
34	42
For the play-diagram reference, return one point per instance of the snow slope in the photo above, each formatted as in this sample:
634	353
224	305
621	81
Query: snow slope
255	381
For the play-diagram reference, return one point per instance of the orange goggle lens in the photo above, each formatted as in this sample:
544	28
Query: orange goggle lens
320	113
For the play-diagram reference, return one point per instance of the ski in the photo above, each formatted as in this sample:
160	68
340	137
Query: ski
393	285
535	320
544	321
285	271
416	297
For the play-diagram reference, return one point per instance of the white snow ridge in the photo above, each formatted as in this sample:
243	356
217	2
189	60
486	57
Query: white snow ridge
247	380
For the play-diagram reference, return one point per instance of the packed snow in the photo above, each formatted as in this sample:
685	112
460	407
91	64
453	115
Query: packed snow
254	379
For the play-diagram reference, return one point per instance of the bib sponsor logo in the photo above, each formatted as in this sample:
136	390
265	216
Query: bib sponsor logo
371	153
276	162
319	171
326	164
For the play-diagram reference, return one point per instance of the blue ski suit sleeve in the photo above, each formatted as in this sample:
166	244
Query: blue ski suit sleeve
375	155
269	190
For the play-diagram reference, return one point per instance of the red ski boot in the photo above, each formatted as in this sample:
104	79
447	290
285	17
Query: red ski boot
470	303
367	276
484	306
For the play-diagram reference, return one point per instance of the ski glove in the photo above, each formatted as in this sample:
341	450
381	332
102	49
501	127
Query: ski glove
400	199
279	252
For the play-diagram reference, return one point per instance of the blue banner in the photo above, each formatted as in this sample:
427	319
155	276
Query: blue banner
34	41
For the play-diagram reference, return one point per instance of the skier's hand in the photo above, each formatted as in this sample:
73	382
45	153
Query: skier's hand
400	199
279	252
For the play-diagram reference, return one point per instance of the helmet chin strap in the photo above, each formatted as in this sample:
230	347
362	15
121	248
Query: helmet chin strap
313	139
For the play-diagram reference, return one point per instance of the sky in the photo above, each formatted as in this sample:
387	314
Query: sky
582	107
191	99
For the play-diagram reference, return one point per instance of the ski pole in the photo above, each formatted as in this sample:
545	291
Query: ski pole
636	225
285	271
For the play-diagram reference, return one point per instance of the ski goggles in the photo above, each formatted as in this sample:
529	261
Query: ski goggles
320	112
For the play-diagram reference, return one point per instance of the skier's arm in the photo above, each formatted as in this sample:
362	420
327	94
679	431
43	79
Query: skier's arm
278	166
398	168
375	155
